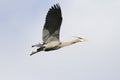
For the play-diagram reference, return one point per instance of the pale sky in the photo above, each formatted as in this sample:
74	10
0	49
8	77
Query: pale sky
21	24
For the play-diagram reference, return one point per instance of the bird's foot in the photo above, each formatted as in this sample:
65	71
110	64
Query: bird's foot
33	52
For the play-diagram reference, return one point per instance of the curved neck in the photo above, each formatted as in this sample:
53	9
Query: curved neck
70	42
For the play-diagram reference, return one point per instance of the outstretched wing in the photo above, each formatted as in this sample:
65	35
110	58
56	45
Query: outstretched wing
52	24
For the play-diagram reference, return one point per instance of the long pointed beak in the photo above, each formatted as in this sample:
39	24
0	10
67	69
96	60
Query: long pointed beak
82	39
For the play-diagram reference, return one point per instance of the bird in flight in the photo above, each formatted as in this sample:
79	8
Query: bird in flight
51	30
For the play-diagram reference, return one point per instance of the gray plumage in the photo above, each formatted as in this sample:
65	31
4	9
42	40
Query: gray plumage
52	24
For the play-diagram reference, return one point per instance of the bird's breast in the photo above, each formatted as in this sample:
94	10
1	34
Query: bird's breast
53	45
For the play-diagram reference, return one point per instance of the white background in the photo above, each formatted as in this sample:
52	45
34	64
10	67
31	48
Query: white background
21	24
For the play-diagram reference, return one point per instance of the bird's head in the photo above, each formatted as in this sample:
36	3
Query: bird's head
80	39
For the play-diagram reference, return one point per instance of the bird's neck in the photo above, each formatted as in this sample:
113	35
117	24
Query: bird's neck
63	44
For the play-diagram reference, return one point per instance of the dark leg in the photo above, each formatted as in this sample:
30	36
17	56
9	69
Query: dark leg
38	50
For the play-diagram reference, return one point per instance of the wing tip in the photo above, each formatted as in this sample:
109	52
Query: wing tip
55	6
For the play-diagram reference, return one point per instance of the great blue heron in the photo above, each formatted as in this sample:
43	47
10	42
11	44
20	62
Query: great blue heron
51	32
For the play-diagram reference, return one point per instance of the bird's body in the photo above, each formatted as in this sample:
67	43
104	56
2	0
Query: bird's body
51	32
53	45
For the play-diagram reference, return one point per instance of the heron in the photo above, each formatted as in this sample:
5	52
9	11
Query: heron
51	32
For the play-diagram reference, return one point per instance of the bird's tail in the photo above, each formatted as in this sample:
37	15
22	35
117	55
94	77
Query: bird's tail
37	45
